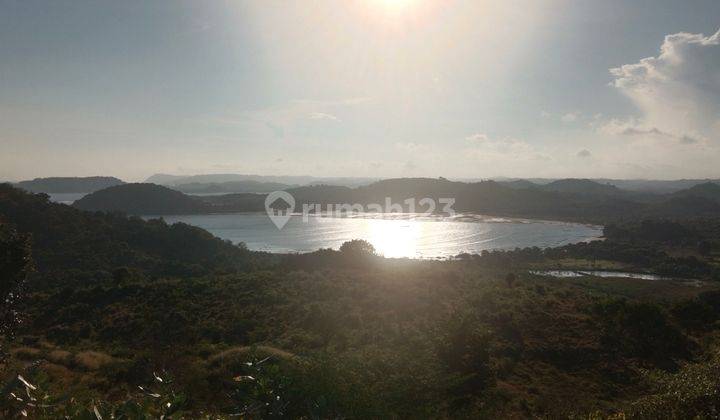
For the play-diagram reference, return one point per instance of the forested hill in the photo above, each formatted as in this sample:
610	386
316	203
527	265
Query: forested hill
582	186
572	200
142	199
708	190
95	244
69	184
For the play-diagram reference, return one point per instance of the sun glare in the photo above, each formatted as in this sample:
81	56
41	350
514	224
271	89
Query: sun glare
395	239
395	5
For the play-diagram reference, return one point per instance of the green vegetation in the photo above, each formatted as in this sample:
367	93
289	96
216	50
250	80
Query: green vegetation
141	199
125	317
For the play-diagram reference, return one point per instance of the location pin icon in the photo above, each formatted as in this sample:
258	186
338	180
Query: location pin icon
279	206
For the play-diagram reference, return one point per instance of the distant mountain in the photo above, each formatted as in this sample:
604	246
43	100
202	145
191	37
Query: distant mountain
56	185
655	186
142	199
231	187
486	197
519	184
708	190
581	186
175	180
164	179
648	186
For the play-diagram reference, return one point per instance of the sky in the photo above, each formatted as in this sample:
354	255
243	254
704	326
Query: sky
360	88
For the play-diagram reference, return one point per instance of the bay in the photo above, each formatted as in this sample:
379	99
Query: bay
395	235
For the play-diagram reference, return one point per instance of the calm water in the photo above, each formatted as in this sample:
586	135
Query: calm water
597	273
66	198
396	235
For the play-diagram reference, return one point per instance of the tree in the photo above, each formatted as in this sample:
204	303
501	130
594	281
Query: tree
15	264
358	247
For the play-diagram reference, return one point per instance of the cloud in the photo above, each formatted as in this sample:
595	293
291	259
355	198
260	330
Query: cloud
477	137
632	127
569	117
323	116
290	118
584	153
677	92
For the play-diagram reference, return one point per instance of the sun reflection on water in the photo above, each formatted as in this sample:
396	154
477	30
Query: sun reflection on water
393	238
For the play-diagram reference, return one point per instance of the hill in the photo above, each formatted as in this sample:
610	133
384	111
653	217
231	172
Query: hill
69	184
655	186
141	199
519	184
581	186
571	200
707	190
682	207
89	245
647	186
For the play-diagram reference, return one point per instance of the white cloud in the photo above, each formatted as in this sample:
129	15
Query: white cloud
677	92
633	128
323	116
